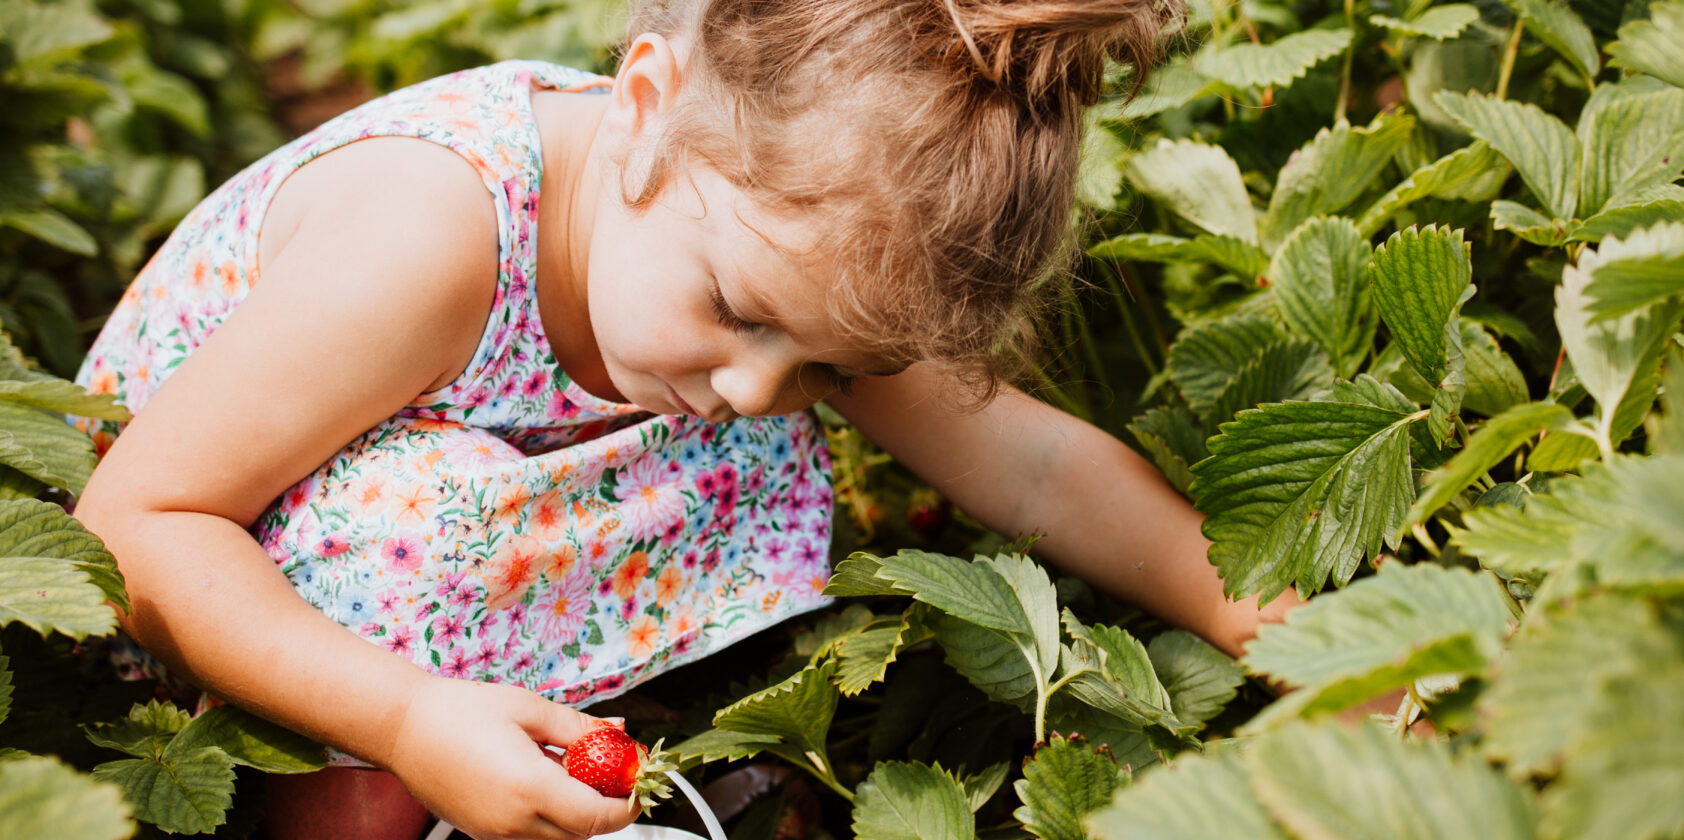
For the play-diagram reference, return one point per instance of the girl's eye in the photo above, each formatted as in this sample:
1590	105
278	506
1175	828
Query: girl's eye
728	317
842	382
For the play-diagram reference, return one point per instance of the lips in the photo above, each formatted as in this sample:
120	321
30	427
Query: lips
681	404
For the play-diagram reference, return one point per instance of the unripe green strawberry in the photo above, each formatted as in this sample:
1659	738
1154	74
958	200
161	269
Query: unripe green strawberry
613	764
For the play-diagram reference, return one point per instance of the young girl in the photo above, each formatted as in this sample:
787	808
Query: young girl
492	393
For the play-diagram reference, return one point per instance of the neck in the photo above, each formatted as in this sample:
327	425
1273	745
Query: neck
572	182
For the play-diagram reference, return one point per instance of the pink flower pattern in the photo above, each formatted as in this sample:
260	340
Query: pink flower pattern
508	527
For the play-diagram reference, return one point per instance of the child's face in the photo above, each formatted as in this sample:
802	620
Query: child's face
697	313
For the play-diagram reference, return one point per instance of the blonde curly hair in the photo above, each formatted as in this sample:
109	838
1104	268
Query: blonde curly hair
947	182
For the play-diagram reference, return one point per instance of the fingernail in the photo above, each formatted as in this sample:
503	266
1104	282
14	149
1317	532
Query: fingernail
616	722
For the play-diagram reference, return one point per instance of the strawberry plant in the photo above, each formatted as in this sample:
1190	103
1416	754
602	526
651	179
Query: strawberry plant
1395	298
80	759
1390	289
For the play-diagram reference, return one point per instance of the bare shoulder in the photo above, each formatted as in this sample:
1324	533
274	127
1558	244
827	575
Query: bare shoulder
398	220
379	292
386	192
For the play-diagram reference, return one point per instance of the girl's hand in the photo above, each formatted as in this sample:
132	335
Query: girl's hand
472	753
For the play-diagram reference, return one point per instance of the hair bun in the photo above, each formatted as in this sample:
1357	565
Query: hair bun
1051	48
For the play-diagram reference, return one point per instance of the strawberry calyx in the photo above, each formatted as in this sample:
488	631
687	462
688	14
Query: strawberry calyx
652	783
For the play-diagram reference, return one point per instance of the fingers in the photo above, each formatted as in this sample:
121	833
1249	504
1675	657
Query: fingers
553	723
584	810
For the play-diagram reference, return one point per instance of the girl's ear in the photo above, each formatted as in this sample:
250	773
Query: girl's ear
644	88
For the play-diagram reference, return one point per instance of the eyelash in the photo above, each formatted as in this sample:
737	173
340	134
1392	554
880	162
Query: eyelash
844	384
728	318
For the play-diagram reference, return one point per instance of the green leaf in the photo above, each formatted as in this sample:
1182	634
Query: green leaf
252	741
1651	46
1381	633
1328	781
1421	278
1284	370
1666	428
37	32
1556	24
1541	147
1009	593
1237	255
1207	357
15	485
1199	678
1633	139
1099	178
863	658
992	661
981	787
1489	445
43	799
170	95
1621	783
1623	520
1298	493
1549	688
1126	740
44	447
856	577
1424	449
911	801
1438	22
1637	270
1062	782
180	791
145	733
820	639
1320	278
53	228
798	711
30	528
1199	183
1199	797
1277	63
722	745
1495	383
1474	173
1170	434
1530	225
1607	353
50	595
1563	452
1172	85
62	397
1621	221
5	688
1112	671
1330	171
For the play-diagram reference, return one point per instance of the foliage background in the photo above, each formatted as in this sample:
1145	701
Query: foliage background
1440	244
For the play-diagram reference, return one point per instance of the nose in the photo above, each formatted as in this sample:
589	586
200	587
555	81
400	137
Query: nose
757	387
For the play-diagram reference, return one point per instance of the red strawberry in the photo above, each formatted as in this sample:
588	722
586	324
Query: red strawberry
609	760
928	513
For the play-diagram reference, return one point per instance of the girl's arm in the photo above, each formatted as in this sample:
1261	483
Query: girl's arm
1023	467
380	293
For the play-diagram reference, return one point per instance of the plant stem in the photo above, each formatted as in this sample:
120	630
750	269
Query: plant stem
1511	50
1122	292
1425	539
1345	71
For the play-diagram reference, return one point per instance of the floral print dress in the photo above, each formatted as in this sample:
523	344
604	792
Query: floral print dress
509	527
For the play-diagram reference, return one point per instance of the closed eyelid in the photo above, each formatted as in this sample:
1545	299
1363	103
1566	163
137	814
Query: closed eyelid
726	313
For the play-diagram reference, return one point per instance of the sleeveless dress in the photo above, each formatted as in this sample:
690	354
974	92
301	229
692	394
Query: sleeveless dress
508	527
